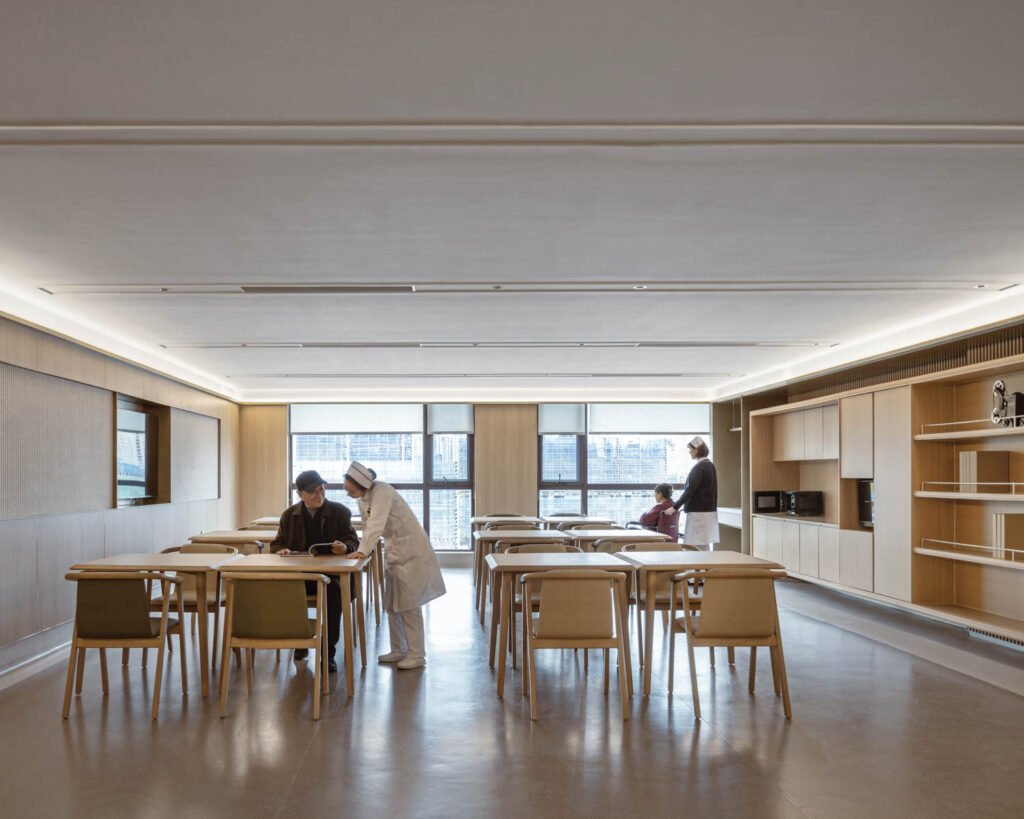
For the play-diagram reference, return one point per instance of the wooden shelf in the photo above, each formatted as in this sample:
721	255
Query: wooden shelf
982	496
967	557
966	435
980	620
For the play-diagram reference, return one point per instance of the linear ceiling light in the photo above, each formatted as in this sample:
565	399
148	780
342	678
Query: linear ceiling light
478	375
482	345
614	287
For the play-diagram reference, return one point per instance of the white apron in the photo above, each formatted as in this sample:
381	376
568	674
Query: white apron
701	529
412	575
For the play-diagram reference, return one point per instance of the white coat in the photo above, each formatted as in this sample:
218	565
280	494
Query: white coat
412	575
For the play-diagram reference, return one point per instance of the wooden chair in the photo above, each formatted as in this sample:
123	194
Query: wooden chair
578	609
509	524
268	610
737	608
112	611
567	525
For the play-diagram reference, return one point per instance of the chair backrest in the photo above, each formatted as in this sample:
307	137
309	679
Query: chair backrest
652	546
504	515
207	549
112	605
738	603
575	604
542	548
508	524
508	545
569	515
270	607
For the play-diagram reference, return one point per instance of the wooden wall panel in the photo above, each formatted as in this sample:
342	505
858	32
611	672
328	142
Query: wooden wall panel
263	478
195	456
56	445
726	454
991	589
19	612
505	459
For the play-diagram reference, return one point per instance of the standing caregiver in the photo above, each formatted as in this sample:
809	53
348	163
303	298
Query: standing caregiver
412	575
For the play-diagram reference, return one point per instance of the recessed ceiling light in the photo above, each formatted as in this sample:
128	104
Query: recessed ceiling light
639	286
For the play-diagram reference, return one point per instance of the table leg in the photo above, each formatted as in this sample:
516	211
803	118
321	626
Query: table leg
495	607
624	624
204	656
483	585
360	622
346	616
652	577
502	612
216	624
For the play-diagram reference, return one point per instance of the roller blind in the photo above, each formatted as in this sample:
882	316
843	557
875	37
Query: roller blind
356	418
562	419
449	418
667	418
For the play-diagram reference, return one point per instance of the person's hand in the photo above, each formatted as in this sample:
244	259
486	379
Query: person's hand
670	511
339	548
284	551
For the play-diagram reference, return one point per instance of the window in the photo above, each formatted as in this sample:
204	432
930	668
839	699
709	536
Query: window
605	459
424	451
138	428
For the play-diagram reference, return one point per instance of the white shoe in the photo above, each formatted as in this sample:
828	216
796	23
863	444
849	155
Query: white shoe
412	662
391	657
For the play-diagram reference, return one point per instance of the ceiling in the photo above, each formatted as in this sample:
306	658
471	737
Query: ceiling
484	201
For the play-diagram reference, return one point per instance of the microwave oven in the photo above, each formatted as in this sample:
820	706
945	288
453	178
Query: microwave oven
803	503
767	501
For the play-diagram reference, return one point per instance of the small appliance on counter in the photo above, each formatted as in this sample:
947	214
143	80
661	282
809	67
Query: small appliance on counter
811	504
767	501
866	502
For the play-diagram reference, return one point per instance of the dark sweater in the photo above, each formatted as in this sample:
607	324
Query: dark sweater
332	522
701	491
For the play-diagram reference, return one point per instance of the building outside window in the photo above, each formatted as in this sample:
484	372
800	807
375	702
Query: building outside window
424	451
605	459
136	424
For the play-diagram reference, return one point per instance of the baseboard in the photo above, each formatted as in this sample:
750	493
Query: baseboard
34	654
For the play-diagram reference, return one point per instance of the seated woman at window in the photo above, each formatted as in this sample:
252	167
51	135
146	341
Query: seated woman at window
655	518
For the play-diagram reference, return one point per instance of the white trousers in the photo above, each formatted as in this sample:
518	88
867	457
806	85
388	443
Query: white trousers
406	629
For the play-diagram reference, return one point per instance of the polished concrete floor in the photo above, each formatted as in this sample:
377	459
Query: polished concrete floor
877	731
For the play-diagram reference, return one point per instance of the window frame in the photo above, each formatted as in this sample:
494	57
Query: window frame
152	434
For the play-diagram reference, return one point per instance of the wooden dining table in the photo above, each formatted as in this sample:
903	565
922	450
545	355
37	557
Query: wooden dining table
483	544
196	564
237	537
652	564
337	565
552	521
505	567
585	538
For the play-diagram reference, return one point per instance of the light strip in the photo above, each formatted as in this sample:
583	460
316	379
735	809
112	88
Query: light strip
496	345
300	376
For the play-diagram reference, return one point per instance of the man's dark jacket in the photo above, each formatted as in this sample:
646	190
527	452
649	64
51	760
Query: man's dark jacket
335	524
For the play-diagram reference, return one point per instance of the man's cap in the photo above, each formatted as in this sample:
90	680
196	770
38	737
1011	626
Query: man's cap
308	481
695	442
359	474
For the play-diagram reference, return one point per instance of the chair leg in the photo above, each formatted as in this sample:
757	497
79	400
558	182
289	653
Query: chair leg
145	657
732	655
238	657
753	668
318	657
103	671
184	667
224	666
621	657
664	620
81	671
124	656
639	627
72	661
360	625
671	661
250	656
783	679
527	622
531	663
711	653
693	679
607	653
586	659
159	677
775	670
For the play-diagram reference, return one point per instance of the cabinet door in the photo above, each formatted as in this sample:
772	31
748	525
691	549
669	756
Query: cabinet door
830	432
791	546
828	553
760	534
856	559
788	436
809	549
773	541
893	437
812	434
856	436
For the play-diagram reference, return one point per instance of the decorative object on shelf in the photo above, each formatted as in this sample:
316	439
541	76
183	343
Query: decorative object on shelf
1006	407
1006	528
984	471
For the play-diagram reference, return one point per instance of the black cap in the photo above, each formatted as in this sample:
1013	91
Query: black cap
308	481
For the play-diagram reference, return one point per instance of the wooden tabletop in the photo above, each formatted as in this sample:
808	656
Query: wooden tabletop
157	562
577	519
481	520
265	523
526	562
324	564
519	535
232	537
626	535
682	561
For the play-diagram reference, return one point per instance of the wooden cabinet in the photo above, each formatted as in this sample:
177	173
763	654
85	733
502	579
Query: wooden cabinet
892	546
812	434
760	537
809	549
791	545
773	541
856	436
828	553
830	432
788	436
856	559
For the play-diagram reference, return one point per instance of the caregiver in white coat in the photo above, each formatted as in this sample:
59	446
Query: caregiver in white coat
412	575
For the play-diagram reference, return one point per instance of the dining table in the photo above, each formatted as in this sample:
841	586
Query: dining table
332	565
483	544
552	521
196	564
237	537
506	567
585	538
652	564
